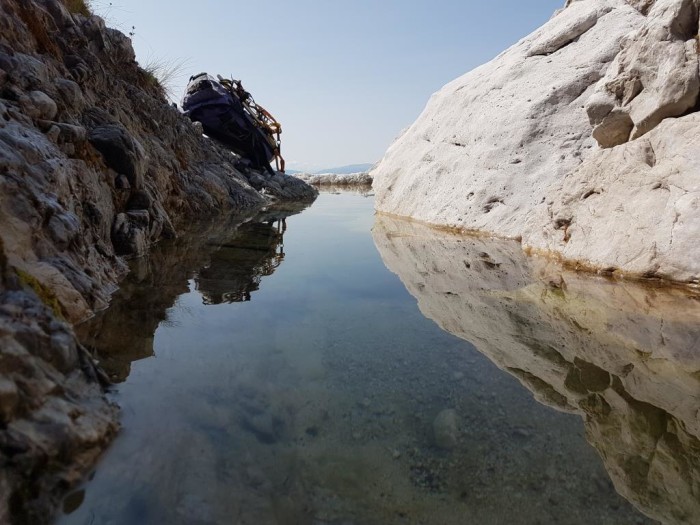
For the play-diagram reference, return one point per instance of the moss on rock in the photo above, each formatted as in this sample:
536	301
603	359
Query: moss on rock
43	292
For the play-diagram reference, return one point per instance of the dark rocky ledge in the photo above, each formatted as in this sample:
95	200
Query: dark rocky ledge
95	166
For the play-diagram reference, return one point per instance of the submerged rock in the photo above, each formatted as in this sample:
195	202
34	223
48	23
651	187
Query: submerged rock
445	429
522	147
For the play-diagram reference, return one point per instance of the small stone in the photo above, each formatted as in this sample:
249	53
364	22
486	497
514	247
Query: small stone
121	152
139	200
71	133
445	429
43	105
198	128
70	96
271	184
256	181
53	134
121	183
521	433
127	237
139	218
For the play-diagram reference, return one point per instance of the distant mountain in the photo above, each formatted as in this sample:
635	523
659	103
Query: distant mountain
351	168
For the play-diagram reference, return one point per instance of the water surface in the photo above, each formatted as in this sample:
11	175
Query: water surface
275	373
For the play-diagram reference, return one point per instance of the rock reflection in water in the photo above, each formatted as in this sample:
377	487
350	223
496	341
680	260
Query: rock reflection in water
327	399
227	260
623	356
236	269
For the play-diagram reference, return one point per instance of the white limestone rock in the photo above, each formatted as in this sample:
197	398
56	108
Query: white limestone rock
654	76
635	207
336	179
515	148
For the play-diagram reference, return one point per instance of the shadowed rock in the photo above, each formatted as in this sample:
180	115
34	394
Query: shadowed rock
95	165
121	152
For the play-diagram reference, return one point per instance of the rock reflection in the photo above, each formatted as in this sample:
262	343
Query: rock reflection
623	356
360	189
236	269
226	259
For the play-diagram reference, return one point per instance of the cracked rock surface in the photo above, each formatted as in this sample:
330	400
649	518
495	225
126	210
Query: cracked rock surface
577	141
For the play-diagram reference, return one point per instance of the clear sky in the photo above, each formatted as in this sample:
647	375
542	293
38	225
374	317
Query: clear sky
343	77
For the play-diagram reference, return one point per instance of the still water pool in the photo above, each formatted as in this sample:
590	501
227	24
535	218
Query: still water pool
281	373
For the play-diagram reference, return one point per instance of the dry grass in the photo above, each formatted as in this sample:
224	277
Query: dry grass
37	28
162	73
79	6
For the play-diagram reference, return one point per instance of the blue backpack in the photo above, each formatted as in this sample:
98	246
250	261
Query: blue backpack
230	116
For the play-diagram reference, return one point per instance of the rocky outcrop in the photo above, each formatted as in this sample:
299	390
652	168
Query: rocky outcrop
54	420
95	162
625	357
337	179
577	141
654	76
95	165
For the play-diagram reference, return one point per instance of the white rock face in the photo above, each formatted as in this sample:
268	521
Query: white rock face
336	179
517	147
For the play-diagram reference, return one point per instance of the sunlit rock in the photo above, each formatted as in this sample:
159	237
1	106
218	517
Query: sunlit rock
337	179
522	147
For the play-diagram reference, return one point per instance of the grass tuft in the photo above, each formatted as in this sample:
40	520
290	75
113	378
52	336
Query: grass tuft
162	73
79	6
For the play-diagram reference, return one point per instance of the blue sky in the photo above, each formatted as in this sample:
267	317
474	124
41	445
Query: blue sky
343	77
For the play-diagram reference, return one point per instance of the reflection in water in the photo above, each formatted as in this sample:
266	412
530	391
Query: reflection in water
227	260
328	399
237	267
624	357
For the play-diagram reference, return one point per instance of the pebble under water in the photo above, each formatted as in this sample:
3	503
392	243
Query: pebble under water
273	373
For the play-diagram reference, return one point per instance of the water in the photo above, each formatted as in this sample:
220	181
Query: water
281	374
